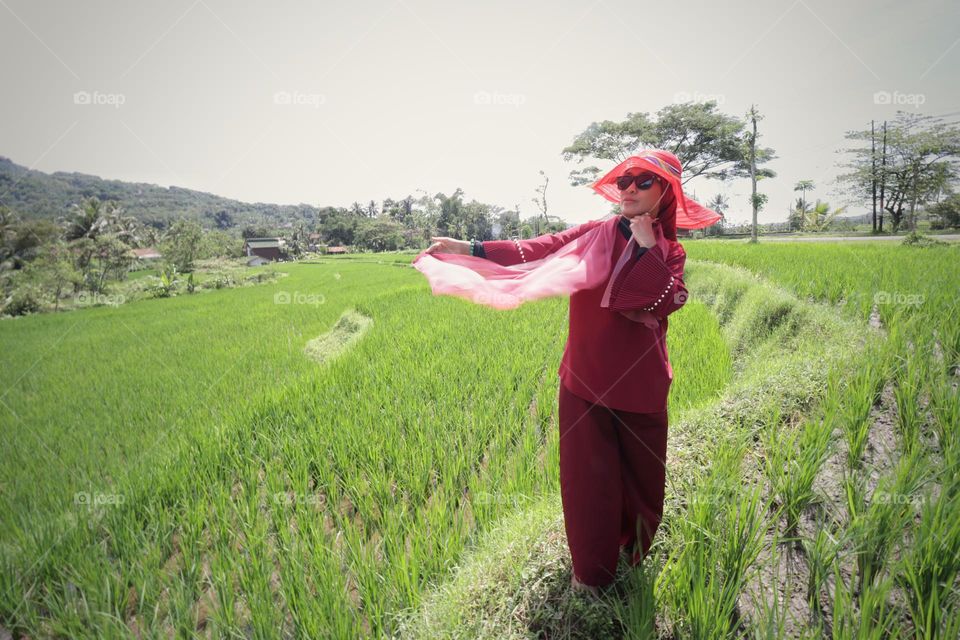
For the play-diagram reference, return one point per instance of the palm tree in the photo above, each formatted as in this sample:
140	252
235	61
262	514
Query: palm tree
820	216
87	220
803	186
719	204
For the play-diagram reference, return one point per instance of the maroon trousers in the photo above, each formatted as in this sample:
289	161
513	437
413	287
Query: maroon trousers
612	481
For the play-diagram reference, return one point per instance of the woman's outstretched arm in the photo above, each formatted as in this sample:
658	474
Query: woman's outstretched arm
508	252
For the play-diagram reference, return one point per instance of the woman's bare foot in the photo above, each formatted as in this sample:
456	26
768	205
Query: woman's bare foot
576	584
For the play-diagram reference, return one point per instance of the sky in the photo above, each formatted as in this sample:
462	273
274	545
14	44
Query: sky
327	103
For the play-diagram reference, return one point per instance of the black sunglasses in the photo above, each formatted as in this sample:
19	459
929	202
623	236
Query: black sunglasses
643	181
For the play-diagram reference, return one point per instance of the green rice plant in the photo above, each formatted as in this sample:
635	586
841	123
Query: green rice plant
945	409
822	550
931	564
771	616
793	458
909	413
864	615
875	530
721	537
637	613
851	408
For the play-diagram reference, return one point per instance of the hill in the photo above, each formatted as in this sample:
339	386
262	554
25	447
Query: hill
35	194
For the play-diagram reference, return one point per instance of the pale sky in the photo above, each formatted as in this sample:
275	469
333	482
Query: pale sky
329	102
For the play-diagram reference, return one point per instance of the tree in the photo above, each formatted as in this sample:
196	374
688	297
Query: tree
946	213
797	215
707	143
51	273
819	216
85	220
757	200
381	235
803	186
450	220
252	231
718	203
183	244
107	254
222	219
919	162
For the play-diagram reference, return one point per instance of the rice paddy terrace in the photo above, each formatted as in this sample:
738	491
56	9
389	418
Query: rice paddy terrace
337	453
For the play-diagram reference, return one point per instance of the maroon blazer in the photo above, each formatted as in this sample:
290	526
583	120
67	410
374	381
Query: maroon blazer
610	359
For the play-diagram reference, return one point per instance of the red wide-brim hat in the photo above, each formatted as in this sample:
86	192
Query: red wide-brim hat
690	214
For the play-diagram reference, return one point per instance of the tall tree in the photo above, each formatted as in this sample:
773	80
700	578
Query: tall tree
803	186
757	200
921	159
707	143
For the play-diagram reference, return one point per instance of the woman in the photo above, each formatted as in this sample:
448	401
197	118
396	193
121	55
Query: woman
625	276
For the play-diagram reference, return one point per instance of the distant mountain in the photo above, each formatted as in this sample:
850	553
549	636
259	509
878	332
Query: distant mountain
35	194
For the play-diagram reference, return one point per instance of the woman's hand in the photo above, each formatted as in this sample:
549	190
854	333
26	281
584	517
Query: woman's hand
443	244
643	230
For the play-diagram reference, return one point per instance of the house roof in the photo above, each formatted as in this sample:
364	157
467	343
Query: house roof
147	252
262	243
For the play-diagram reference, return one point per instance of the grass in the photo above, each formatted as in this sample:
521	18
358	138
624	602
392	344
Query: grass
181	467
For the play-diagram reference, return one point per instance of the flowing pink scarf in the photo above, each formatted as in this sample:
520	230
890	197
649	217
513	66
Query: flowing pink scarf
582	263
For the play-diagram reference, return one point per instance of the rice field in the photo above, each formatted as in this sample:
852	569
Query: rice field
321	455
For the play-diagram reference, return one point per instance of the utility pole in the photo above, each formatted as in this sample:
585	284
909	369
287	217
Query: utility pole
883	172
753	174
873	173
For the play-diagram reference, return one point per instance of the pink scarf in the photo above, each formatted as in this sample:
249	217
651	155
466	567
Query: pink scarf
583	263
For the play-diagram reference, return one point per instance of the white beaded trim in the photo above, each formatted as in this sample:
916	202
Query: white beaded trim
660	299
520	249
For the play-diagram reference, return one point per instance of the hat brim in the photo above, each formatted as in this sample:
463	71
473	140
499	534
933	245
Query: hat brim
690	213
